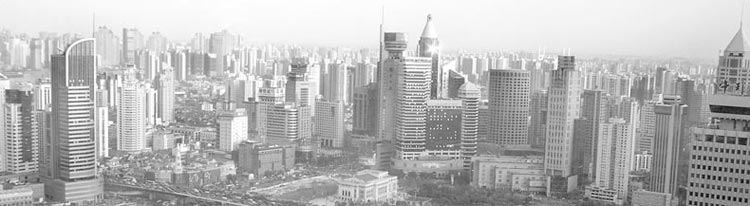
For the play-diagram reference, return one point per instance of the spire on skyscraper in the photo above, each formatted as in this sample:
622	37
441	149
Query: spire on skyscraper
429	30
738	43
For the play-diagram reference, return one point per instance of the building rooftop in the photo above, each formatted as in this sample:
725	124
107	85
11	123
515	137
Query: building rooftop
738	43
429	30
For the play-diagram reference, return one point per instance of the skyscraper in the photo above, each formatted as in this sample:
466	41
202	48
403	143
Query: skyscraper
394	44
21	133
131	113
666	148
157	43
329	125
413	91
429	47
564	99
469	94
335	81
232	129
220	44
509	107
365	110
538	118
72	173
614	152
132	40
298	90
107	47
717	174
647	130
404	88
166	95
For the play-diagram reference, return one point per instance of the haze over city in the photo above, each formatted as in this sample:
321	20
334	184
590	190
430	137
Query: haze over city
667	28
374	103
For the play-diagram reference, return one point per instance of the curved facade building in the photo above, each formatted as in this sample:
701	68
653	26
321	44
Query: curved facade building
509	107
71	171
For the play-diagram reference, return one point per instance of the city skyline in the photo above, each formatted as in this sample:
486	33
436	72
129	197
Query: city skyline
291	103
637	28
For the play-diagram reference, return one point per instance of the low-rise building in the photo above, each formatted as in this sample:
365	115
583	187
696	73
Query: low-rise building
368	186
603	194
517	173
647	198
258	158
20	196
642	161
163	140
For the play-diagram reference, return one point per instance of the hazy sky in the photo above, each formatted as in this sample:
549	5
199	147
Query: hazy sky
684	28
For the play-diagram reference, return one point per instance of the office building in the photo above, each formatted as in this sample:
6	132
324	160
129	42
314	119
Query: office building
647	198
163	140
220	44
132	41
364	111
538	119
719	157
20	196
666	148
469	95
647	129
329	125
516	173
157	43
429	47
73	88
509	107
289	121
455	80
131	124
232	129
261	159
613	163
35	54
21	133
564	100
334	82
404	87
298	90
642	161
42	94
107	47
166	97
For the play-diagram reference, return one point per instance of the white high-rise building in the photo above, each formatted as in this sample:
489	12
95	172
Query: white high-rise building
469	94
642	161
509	107
42	94
413	91
564	103
614	157
102	131
647	128
166	95
329	125
21	133
131	113
232	129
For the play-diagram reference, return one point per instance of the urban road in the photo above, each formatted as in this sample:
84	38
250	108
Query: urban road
223	202
187	195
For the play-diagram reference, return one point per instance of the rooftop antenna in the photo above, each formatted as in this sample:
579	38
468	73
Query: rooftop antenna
93	25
